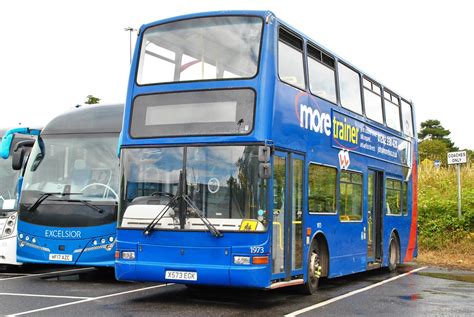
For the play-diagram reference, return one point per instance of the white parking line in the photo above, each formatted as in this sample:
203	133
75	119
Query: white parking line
89	300
338	298
47	273
41	295
17	274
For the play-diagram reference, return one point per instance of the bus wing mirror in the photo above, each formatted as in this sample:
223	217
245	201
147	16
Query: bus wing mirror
264	154
18	158
264	170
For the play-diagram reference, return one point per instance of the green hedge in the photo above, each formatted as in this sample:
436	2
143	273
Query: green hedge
438	223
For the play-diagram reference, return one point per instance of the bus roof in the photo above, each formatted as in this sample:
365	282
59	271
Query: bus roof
265	15
87	119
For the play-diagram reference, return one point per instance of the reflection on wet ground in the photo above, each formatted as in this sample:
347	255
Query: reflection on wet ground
454	276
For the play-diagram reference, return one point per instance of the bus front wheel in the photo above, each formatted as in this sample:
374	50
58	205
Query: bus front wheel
314	271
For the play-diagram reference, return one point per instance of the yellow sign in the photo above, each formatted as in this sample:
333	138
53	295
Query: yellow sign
248	225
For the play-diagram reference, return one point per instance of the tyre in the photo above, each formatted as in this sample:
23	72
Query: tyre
313	271
393	254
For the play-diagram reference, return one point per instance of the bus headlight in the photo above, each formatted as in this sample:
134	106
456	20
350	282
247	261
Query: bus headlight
242	260
128	255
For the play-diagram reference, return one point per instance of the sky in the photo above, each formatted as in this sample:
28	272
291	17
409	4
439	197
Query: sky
55	53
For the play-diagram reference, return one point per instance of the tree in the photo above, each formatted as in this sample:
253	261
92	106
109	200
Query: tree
433	130
433	150
91	100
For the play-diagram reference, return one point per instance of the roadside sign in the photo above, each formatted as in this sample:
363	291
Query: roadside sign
437	163
459	157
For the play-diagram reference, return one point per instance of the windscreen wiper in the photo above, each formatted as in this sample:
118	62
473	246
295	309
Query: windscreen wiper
212	229
171	204
84	202
45	196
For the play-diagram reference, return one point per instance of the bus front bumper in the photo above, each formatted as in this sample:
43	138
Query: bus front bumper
251	276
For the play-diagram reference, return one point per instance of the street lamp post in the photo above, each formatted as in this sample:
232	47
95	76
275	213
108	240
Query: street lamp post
130	30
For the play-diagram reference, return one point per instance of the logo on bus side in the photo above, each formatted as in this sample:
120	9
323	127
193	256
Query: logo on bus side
314	120
344	159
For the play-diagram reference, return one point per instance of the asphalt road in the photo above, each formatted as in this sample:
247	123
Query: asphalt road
69	291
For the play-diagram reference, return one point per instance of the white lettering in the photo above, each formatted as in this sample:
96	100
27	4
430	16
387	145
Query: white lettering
73	234
313	120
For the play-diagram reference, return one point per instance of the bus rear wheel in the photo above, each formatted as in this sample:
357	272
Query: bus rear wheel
393	254
314	272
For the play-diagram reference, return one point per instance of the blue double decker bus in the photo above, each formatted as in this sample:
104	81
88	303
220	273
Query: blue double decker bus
251	156
68	206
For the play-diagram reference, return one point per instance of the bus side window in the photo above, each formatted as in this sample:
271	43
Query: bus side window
407	118
322	77
392	110
290	59
350	198
393	196
322	184
373	101
349	88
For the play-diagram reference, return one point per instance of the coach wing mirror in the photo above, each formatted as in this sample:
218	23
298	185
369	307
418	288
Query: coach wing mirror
20	151
6	146
264	152
264	170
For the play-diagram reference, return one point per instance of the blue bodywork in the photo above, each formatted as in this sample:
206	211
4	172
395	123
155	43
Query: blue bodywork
49	241
277	121
81	244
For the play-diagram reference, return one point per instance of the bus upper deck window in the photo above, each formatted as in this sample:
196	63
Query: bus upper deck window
349	87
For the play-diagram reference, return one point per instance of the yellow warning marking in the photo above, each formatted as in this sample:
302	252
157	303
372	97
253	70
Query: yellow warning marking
248	225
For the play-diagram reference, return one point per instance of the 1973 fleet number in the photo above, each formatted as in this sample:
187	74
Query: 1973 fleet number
256	249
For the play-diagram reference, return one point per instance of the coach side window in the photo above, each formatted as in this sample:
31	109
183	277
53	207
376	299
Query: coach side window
373	101
392	110
407	118
350	199
349	88
322	189
290	59
322	77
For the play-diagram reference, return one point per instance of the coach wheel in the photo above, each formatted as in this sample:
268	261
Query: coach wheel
314	271
393	254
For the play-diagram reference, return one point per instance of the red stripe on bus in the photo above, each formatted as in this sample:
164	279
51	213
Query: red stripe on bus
414	213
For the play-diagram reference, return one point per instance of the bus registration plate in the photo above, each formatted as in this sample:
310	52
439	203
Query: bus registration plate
61	257
181	275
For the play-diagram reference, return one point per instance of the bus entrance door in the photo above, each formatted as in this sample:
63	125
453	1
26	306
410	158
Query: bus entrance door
287	232
374	217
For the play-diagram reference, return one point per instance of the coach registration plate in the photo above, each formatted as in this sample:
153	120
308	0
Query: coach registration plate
61	257
181	275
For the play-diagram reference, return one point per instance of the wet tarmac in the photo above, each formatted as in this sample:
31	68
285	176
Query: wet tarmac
69	291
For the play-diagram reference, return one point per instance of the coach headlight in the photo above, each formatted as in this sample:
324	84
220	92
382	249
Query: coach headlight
9	226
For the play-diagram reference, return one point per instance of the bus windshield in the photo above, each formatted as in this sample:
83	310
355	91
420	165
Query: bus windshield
8	185
86	165
68	177
221	181
200	49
